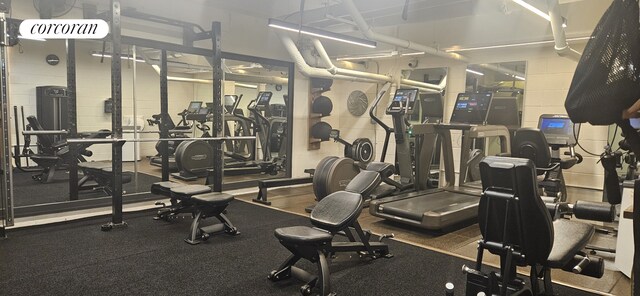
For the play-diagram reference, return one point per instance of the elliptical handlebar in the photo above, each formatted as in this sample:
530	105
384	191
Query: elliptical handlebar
374	106
387	130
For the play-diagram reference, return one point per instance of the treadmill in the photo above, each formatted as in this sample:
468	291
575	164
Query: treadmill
437	209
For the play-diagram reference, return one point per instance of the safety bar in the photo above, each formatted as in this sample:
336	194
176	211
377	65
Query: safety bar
48	132
116	140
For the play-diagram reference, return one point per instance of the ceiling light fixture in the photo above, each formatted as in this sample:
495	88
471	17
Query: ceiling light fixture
519	77
278	24
31	38
246	85
368	57
537	11
124	56
412	53
512	45
475	72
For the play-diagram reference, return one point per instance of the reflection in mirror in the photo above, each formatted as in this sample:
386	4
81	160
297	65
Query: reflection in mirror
259	93
38	97
430	110
506	81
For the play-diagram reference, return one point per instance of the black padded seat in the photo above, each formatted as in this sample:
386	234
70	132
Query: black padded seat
302	235
188	191
126	175
337	211
568	239
383	168
212	198
364	183
164	188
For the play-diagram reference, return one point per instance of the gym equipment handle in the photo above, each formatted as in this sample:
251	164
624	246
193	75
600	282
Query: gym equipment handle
48	132
107	141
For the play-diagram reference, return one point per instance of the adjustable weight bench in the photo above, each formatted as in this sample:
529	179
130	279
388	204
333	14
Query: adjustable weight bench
336	213
201	202
52	154
516	225
101	173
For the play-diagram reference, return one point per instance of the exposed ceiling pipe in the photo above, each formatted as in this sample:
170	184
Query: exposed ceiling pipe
339	71
432	88
369	33
309	71
561	45
424	87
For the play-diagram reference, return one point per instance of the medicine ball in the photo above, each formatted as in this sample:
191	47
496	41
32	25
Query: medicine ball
322	105
321	130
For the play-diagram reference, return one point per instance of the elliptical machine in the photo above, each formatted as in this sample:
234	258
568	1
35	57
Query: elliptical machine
181	130
194	158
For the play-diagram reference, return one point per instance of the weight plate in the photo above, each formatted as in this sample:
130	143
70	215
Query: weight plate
319	181
340	173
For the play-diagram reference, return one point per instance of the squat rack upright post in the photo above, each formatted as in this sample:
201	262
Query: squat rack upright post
116	119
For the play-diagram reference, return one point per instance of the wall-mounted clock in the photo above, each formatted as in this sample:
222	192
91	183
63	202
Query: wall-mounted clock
52	59
278	87
357	103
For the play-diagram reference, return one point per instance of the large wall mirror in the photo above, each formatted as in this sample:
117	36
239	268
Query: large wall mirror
506	81
255	98
257	102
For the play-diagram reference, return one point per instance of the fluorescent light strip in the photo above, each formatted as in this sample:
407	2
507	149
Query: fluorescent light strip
246	85
512	45
533	9
278	24
536	11
124	57
31	38
366	57
475	72
413	53
519	77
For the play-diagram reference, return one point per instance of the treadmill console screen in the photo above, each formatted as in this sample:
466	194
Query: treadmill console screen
264	98
404	99
471	108
194	106
635	122
558	129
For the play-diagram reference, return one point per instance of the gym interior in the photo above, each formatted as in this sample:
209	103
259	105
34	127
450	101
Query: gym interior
319	147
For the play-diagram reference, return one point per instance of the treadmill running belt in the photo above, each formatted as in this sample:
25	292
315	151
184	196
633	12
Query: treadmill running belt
440	208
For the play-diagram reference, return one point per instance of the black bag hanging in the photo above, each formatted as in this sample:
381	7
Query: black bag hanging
606	80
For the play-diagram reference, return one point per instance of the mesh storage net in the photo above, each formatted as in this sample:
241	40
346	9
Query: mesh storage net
606	80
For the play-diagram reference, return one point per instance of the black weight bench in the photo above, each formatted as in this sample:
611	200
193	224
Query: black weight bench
201	202
101	173
263	185
516	225
336	213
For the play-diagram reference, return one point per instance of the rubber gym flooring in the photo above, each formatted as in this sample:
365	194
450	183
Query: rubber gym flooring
149	258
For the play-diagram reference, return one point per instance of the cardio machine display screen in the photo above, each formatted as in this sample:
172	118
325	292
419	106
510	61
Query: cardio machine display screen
471	108
404	99
558	130
194	106
264	98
